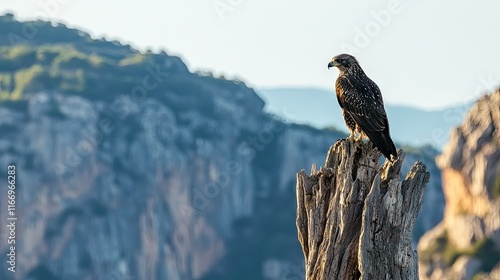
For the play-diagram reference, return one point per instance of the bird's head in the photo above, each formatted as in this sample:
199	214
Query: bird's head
343	61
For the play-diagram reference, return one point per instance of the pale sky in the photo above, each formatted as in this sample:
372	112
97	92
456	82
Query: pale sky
423	53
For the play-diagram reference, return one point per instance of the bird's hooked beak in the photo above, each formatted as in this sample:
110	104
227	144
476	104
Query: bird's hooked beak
332	63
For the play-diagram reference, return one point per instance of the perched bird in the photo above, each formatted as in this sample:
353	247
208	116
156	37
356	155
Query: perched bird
362	105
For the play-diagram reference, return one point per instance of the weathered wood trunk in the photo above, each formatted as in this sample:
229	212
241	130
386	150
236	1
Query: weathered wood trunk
355	220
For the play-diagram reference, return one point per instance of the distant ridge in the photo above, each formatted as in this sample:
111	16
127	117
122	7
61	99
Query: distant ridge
408	125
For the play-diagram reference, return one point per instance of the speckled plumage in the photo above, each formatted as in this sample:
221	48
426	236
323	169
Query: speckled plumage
362	104
349	121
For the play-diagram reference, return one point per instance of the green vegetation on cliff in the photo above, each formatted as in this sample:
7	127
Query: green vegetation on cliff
483	250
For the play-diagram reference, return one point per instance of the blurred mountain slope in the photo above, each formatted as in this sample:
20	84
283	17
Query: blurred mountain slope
466	243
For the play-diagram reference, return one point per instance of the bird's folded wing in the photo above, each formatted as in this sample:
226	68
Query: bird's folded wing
363	101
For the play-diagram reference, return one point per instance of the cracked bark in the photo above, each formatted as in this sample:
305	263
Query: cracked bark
355	220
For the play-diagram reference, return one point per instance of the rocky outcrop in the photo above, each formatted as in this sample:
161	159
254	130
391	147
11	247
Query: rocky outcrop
467	241
149	195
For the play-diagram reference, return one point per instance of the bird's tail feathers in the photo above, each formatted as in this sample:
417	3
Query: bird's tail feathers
384	144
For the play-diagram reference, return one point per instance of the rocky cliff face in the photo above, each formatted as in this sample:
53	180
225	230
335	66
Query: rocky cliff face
467	241
129	166
153	195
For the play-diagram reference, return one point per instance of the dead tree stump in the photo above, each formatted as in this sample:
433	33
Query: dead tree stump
355	220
